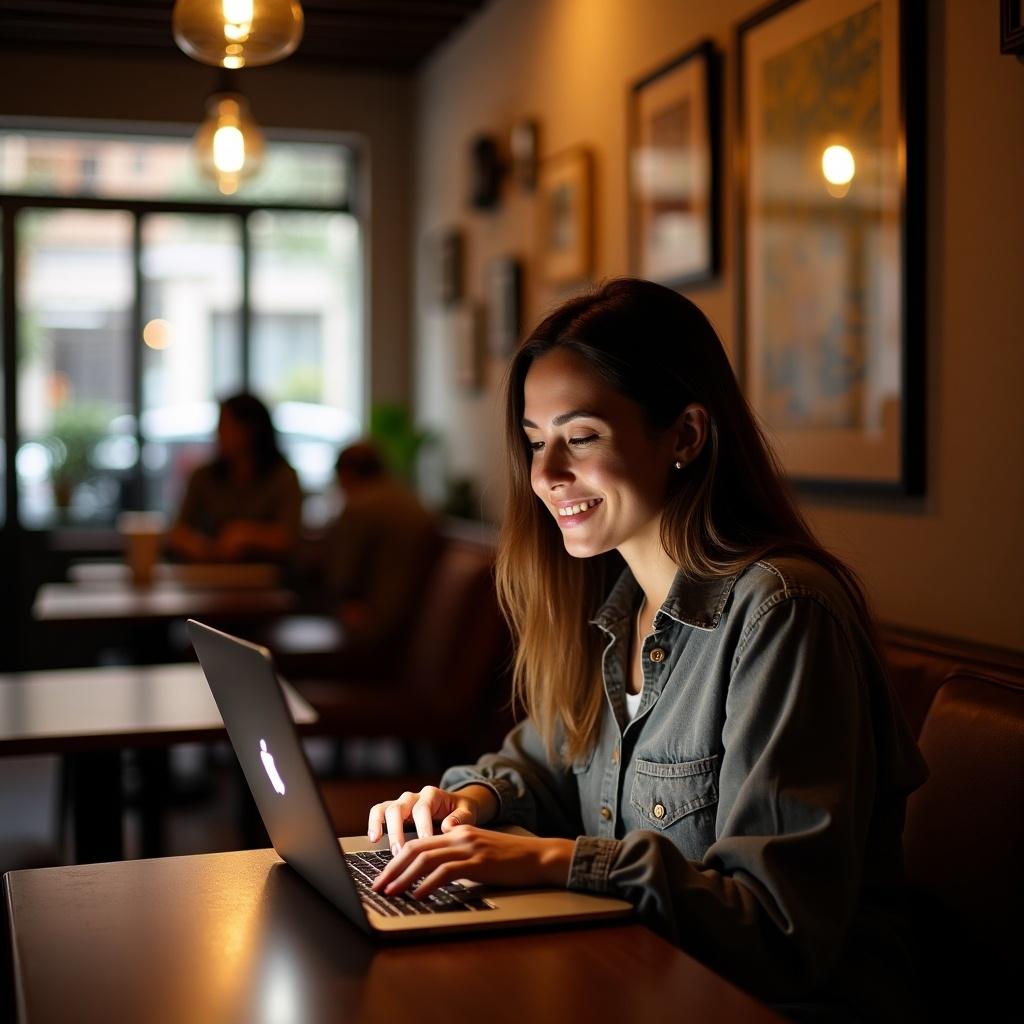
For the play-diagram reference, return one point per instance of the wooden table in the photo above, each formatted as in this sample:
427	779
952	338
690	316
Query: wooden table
212	575
120	602
92	714
239	937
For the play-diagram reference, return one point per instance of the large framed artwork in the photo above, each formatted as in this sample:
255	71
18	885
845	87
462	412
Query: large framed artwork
566	215
673	170
831	202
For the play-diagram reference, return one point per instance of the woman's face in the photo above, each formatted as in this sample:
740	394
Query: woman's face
232	437
596	465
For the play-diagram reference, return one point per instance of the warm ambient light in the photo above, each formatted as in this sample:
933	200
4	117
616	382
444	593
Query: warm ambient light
229	143
838	166
157	334
237	33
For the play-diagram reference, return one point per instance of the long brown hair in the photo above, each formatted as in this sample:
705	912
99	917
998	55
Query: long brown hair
724	511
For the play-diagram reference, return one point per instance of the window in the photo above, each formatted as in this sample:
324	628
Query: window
142	296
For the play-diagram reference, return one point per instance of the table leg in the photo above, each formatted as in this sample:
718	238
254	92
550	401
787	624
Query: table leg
155	775
96	805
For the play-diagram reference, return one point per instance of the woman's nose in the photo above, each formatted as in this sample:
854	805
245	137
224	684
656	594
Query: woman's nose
551	467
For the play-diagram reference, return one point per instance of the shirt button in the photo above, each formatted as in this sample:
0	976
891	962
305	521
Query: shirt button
659	811
607	814
615	756
657	655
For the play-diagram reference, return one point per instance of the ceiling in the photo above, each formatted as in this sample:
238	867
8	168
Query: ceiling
385	34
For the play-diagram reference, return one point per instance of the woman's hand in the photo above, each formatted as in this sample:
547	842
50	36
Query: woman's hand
473	805
465	851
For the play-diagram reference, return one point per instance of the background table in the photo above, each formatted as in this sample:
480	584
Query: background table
239	937
93	714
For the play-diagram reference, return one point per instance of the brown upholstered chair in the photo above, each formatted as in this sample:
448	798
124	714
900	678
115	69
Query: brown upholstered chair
964	846
446	682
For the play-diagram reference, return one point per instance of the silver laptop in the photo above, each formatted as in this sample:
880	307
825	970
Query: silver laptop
252	704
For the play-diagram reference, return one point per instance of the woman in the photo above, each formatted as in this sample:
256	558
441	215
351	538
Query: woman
244	504
710	734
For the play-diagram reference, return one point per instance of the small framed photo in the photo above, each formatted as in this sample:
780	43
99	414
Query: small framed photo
505	286
566	217
465	322
523	144
447	254
673	170
831	239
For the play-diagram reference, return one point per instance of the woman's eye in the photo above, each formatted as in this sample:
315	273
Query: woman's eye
583	440
535	446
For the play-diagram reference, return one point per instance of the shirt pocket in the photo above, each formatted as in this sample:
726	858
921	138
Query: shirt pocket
662	794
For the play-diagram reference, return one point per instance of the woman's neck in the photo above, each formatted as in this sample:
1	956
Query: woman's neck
652	567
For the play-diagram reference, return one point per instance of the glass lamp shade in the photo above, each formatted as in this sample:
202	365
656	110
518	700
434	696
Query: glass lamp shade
229	142
237	33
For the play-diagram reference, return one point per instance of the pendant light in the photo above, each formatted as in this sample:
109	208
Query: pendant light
229	142
237	33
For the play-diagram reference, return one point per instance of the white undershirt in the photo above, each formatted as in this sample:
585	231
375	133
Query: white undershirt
633	704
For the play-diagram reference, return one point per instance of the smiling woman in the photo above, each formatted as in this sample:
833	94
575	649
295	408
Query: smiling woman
710	731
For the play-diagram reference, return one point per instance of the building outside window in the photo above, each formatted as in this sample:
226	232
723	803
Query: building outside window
140	296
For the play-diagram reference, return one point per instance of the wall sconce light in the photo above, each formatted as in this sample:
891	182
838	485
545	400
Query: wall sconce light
838	167
229	142
237	33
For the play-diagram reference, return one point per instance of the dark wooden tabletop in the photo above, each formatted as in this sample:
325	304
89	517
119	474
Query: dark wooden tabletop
101	708
119	601
238	937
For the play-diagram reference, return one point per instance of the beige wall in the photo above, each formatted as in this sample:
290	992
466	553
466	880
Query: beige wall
377	107
950	562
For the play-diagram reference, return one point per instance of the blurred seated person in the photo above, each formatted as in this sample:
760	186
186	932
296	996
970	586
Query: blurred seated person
377	553
245	505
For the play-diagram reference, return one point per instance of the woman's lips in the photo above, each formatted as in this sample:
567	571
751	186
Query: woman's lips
568	517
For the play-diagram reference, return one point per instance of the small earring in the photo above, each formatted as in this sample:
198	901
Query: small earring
679	464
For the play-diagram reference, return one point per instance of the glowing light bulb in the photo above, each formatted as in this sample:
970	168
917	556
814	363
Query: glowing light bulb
229	143
237	33
838	165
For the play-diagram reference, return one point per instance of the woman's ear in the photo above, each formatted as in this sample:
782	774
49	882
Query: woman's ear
690	433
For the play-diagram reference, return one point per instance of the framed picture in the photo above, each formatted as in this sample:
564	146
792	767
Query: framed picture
505	284
447	255
566	216
831	239
465	321
673	170
524	146
1011	27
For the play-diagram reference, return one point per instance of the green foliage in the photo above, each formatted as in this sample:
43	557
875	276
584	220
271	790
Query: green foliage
76	429
399	440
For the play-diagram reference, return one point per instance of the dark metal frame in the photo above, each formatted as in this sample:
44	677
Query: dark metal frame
1011	27
704	51
912	244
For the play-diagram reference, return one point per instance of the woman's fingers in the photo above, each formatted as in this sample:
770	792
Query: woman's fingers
396	814
420	860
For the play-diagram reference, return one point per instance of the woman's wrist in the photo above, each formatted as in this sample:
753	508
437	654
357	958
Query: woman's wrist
484	799
555	861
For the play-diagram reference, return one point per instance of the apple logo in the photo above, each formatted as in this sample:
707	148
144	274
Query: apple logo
268	763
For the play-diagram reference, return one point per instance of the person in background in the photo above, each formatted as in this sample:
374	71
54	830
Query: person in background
710	734
246	504
377	553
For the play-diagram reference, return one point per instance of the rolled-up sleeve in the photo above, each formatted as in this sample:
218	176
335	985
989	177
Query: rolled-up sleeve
773	897
530	791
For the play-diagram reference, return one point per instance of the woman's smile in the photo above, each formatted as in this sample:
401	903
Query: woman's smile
574	513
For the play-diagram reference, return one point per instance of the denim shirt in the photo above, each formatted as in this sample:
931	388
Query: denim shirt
752	809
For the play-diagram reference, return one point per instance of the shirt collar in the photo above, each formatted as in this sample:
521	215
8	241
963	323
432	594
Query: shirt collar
693	602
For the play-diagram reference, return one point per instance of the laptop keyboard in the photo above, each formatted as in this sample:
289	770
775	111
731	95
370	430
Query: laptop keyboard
453	897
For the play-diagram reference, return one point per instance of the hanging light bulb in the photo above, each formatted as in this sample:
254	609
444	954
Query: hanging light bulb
237	33
229	142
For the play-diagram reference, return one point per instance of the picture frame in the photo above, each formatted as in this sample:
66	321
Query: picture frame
504	285
1011	27
448	255
831	266
565	194
465	321
673	170
524	146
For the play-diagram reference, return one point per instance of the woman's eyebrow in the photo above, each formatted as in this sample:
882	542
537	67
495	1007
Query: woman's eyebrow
564	417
